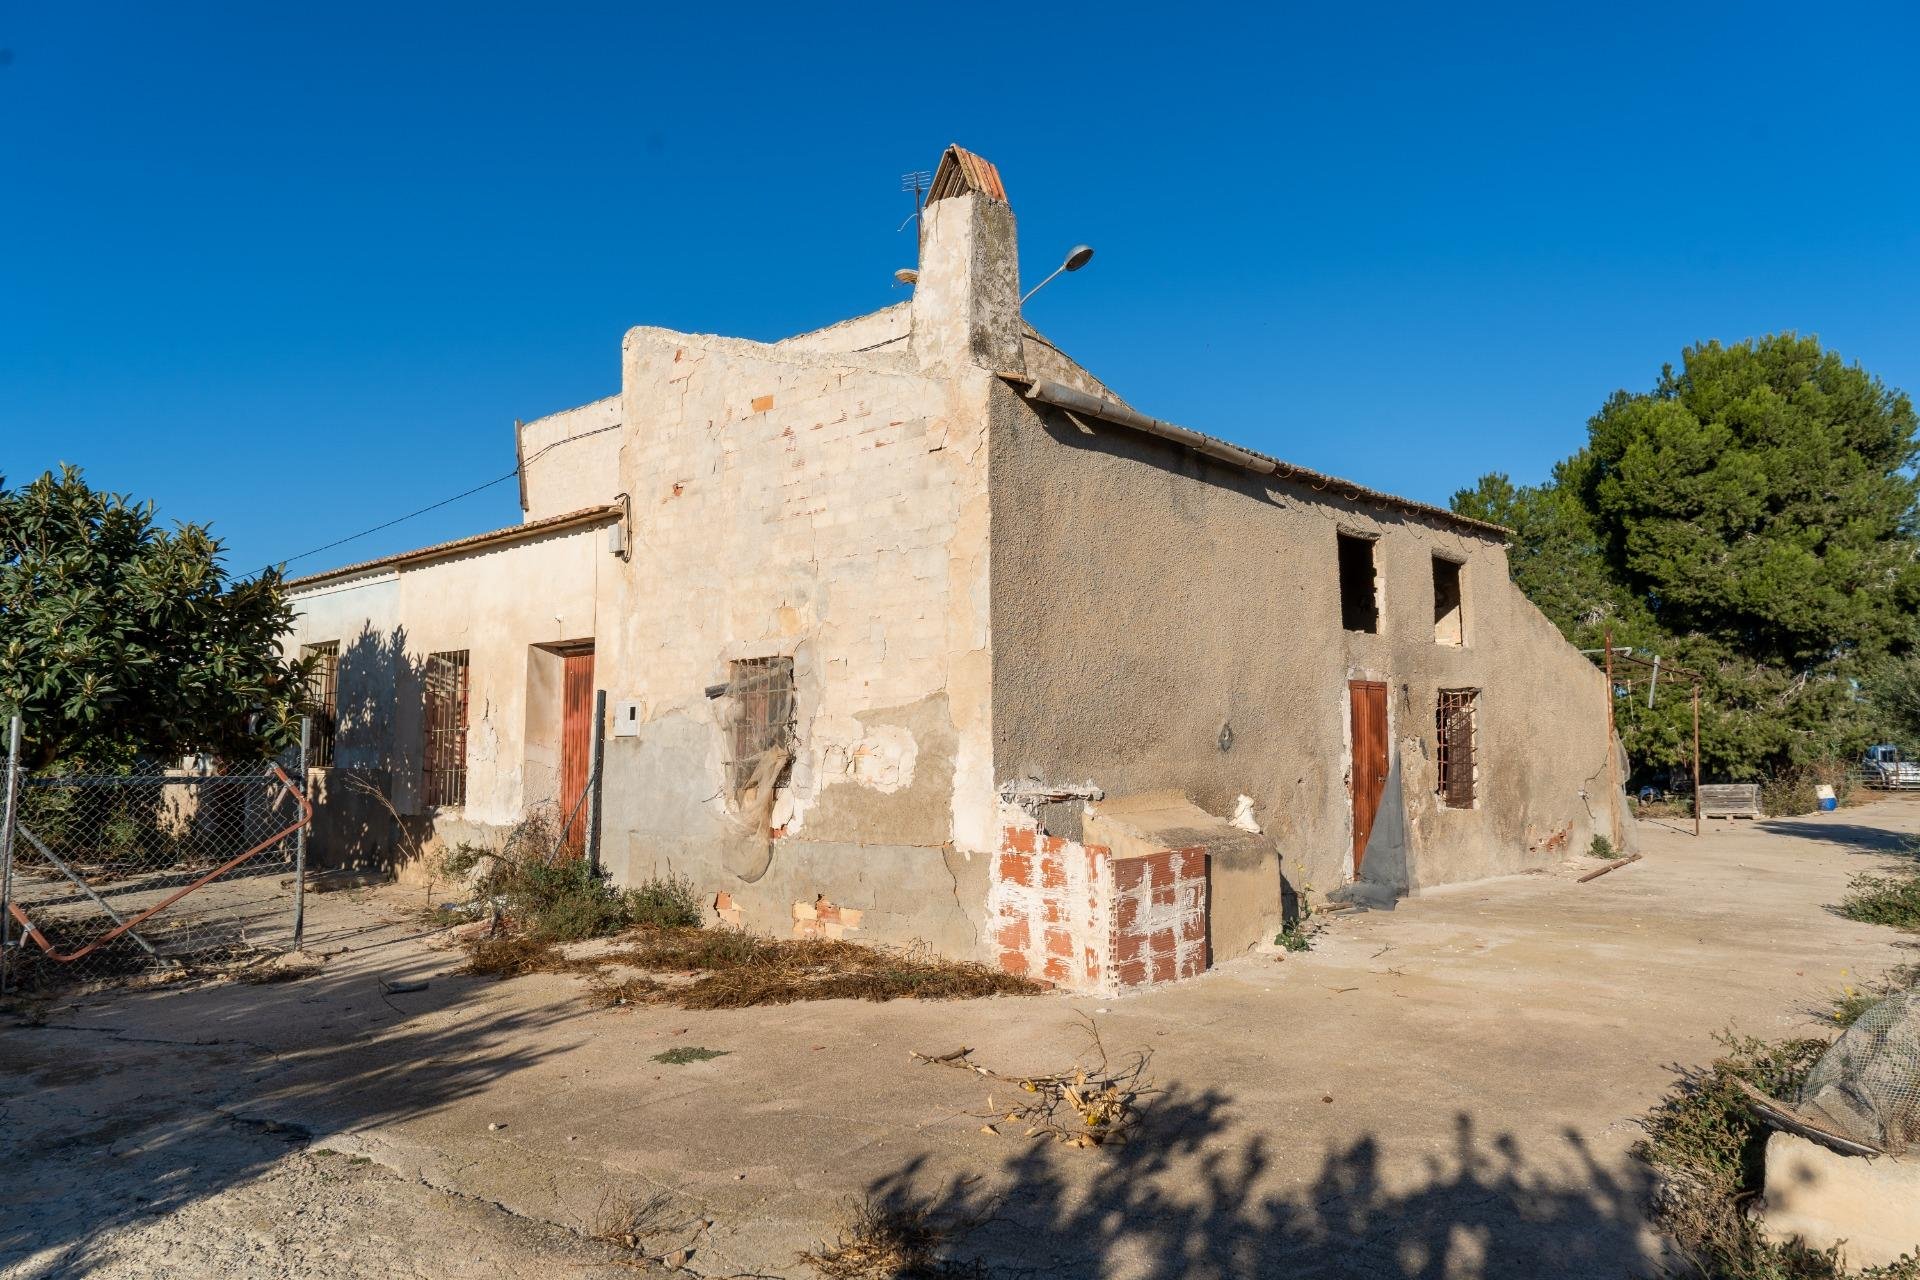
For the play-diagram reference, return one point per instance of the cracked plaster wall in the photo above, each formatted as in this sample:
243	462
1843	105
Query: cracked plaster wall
831	508
1146	597
495	603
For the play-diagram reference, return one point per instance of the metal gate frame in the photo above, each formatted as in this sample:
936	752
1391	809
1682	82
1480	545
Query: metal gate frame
13	831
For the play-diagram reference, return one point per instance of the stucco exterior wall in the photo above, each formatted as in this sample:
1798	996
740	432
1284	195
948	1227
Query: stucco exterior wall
570	459
791	502
499	604
1145	598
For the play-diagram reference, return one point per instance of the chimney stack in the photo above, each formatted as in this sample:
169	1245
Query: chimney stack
966	305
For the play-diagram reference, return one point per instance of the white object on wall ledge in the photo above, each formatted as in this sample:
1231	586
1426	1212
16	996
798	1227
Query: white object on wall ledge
1243	815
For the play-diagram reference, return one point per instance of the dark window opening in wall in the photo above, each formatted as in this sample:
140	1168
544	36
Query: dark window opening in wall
1453	734
445	775
761	726
1359	596
323	701
1449	614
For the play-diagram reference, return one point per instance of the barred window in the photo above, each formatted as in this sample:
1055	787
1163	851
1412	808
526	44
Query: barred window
1453	732
445	774
761	724
323	699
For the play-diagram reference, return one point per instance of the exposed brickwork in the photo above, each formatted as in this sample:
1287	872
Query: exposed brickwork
1080	918
1160	917
730	914
822	919
1554	842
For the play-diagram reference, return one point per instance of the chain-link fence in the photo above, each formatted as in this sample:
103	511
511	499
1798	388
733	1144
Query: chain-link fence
104	876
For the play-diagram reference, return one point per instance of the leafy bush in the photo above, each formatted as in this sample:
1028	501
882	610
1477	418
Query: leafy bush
1708	1148
1293	938
1600	848
548	893
1893	899
666	902
1790	792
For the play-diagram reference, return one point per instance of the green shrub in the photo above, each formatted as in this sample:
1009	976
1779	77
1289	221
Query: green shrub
1790	792
1851	1003
1600	848
565	901
548	893
1892	899
667	902
1293	938
1708	1147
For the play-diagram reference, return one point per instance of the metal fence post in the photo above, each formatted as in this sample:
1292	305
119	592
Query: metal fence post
593	778
6	853
300	844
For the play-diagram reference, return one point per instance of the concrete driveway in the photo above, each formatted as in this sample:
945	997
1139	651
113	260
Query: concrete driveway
1448	1089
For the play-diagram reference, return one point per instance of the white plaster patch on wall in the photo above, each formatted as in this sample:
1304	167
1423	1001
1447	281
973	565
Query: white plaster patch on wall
884	759
1049	904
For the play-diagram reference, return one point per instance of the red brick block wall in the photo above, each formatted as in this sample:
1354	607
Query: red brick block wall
1077	917
1160	917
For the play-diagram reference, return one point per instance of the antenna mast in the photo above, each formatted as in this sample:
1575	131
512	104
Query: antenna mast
915	183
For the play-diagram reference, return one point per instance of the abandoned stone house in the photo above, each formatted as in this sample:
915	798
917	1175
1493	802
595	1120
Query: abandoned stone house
911	629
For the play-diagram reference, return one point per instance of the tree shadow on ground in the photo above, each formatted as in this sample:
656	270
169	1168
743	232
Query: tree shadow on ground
1180	1199
128	1117
1853	836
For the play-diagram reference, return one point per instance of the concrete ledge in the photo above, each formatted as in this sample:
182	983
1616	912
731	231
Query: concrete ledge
1870	1208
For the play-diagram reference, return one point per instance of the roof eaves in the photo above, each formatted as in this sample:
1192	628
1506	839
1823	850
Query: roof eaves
472	542
1225	451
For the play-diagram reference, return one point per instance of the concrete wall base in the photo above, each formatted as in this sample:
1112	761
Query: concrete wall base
1870	1208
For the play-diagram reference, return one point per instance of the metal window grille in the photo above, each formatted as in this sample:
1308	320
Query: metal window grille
762	720
445	774
1453	734
323	700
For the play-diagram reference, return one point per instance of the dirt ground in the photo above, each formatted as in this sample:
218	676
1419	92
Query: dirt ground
1446	1090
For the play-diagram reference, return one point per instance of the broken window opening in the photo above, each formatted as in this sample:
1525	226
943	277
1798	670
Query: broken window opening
1359	593
1449	611
761	728
445	773
1453	736
323	701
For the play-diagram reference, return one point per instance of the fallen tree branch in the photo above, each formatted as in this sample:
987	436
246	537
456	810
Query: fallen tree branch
1611	866
1082	1106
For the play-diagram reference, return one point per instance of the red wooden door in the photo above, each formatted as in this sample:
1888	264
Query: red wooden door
1367	703
576	745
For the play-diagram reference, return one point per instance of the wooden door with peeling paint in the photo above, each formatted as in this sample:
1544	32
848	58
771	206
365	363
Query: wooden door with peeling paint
576	745
1367	706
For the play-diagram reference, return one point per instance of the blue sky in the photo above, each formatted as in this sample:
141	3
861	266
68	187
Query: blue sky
294	270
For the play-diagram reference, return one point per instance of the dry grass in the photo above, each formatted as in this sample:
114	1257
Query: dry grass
894	1242
732	969
629	1222
634	1226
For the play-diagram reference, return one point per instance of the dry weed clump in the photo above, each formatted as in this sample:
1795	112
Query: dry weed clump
732	969
632	1226
895	1242
1086	1105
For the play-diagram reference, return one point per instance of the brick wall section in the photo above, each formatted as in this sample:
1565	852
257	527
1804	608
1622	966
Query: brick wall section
1159	917
1076	916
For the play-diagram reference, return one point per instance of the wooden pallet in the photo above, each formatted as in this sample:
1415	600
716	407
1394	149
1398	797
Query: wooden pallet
1731	800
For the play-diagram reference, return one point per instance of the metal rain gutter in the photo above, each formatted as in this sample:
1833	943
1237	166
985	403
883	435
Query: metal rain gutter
1064	397
1086	405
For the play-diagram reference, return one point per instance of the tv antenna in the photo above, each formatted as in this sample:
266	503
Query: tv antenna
916	184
